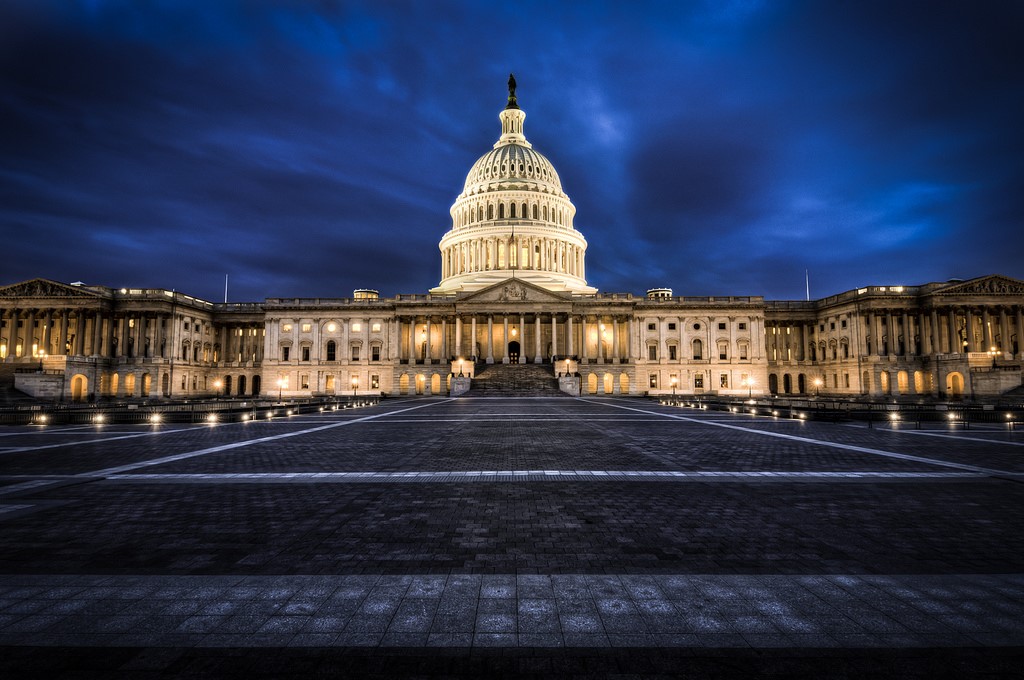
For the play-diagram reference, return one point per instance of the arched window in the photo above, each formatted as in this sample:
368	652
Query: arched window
535	211
501	211
332	350
523	213
490	212
512	210
698	349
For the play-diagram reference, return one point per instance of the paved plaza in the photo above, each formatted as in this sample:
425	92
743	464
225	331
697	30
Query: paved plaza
560	537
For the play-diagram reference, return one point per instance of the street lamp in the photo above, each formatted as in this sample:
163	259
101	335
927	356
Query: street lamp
993	352
675	381
280	386
460	367
750	388
216	387
566	368
355	384
817	386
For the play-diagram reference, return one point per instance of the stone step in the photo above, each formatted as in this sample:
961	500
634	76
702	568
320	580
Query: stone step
515	380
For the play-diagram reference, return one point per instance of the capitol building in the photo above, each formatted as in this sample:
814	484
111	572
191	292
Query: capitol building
513	295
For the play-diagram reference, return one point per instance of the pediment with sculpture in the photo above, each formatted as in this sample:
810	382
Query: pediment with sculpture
985	285
515	291
45	288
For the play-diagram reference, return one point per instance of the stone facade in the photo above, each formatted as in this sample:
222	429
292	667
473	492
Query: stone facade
513	290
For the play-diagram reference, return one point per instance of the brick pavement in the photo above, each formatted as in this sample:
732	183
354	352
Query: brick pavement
590	537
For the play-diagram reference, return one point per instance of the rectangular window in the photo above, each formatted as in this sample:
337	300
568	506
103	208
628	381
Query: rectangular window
721	325
375	382
286	328
722	354
822	328
652	352
846	379
723	380
653	381
832	325
743	352
330	383
285	351
650	327
305	354
304	381
307	327
743	325
672	326
672	352
375	353
355	352
357	327
375	328
698	381
843	323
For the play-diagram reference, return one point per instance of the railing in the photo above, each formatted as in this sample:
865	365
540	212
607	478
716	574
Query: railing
207	411
1008	413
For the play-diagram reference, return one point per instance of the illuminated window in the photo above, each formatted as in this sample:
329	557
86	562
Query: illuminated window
375	328
374	382
286	328
723	380
654	381
331	327
307	327
304	381
357	327
698	381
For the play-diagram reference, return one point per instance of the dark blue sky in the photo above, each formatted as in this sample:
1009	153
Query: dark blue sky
309	148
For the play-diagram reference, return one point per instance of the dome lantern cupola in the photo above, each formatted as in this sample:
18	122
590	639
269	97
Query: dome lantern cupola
512	219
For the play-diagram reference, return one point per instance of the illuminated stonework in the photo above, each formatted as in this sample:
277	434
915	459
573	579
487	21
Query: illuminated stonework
513	290
512	220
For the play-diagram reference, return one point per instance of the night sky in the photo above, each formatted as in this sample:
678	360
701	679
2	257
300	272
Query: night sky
309	148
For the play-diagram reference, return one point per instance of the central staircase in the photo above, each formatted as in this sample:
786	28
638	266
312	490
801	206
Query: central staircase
515	380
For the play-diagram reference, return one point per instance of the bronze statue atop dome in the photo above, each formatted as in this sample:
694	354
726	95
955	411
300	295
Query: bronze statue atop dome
512	104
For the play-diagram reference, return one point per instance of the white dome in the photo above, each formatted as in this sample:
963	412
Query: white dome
512	219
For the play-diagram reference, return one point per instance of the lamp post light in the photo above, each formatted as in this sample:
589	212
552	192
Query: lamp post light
994	353
355	385
216	386
817	386
460	367
750	388
566	368
675	381
280	386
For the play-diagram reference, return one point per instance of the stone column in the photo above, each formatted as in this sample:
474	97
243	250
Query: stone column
79	333
615	340
971	344
444	339
1020	331
30	333
472	339
458	336
412	340
224	344
986	329
583	340
908	337
523	356
44	332
1004	332
490	338
504	341
554	336
954	342
568	335
430	346
62	333
933	334
537	354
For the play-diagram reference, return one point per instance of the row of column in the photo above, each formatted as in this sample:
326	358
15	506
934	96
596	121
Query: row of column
902	332
553	335
241	343
540	254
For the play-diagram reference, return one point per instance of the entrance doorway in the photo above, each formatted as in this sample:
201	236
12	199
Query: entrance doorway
513	352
